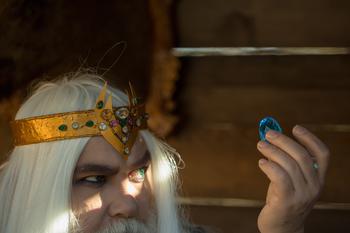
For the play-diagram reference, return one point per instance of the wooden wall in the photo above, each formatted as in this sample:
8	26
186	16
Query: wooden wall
221	100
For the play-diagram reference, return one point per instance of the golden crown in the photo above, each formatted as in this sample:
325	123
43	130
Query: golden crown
118	125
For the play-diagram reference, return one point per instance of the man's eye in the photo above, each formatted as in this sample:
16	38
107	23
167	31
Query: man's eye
138	175
94	179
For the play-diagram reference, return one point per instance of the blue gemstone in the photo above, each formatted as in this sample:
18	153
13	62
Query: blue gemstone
266	124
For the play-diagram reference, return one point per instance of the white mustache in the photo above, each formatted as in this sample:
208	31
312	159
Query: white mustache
132	226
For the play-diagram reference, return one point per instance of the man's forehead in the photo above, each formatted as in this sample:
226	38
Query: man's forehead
99	151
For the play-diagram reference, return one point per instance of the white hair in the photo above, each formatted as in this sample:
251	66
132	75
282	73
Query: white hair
36	182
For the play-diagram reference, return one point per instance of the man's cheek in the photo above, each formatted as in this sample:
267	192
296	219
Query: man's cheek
90	213
146	202
91	221
149	181
83	204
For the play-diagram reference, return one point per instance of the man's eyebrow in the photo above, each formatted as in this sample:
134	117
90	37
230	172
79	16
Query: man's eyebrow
108	170
89	168
145	158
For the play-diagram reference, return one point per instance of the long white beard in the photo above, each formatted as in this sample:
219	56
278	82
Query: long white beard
132	226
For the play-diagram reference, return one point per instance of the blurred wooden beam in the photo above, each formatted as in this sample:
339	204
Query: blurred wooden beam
248	203
337	128
333	128
259	51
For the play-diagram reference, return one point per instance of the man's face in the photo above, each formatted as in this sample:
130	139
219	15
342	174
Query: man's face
106	188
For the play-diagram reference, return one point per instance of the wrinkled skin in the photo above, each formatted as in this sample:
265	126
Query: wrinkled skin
295	185
105	189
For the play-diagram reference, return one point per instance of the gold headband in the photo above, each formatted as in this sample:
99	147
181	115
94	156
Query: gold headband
119	126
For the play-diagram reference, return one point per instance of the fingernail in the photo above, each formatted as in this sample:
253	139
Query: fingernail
271	134
262	161
299	129
262	144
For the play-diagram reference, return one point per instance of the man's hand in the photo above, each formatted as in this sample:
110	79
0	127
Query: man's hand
296	181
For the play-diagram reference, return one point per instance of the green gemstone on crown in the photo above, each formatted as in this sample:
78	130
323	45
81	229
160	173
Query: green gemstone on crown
123	122
63	127
89	123
100	104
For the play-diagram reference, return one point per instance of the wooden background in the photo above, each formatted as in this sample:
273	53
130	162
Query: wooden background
218	101
222	100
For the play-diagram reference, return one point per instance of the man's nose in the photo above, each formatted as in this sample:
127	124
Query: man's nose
123	204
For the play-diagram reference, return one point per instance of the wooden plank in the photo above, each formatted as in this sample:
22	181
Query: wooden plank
223	164
244	105
219	135
326	72
241	220
249	203
261	51
262	23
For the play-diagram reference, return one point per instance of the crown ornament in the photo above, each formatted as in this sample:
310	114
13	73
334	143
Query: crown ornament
118	125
